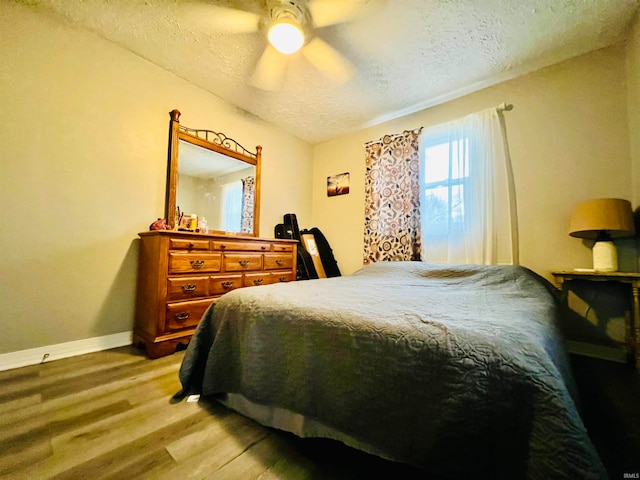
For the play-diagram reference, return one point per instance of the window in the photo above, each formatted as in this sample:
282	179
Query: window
467	202
446	169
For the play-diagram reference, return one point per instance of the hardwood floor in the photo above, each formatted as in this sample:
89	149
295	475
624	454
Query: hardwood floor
109	415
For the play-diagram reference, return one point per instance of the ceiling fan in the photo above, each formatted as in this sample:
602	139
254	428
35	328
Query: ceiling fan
292	26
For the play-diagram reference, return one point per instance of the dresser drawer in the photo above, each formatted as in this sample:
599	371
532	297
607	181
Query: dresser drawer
242	261
194	262
241	246
282	248
187	244
183	288
279	277
274	261
223	284
185	314
257	279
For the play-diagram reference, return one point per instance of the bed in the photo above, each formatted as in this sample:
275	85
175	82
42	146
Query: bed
457	370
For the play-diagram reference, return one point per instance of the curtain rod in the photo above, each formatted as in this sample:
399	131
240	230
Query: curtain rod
504	107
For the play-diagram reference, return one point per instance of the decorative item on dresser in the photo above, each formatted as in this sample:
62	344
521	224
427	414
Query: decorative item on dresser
183	269
182	273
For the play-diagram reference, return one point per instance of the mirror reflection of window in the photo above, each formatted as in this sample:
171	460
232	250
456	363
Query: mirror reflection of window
231	207
201	176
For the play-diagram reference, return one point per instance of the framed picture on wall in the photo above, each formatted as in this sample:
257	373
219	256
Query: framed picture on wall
338	184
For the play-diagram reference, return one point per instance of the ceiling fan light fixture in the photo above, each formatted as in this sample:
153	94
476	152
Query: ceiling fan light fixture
286	36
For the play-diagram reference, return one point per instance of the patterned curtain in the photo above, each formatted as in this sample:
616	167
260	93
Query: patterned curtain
248	196
392	199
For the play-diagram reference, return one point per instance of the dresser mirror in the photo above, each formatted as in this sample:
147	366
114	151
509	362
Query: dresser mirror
212	176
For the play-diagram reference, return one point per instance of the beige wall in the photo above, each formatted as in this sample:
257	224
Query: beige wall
84	145
569	141
633	91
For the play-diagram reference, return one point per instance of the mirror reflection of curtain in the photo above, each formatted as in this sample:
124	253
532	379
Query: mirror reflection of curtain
231	206
392	199
248	196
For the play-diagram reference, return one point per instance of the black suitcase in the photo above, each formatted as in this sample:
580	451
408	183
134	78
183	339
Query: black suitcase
306	270
329	263
291	220
283	231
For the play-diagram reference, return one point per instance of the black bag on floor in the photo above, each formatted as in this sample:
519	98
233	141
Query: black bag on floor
306	270
329	262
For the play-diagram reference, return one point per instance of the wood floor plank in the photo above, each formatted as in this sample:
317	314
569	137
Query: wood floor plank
22	434
18	403
219	422
217	452
161	381
141	468
49	373
97	360
140	421
52	385
132	373
16	374
110	415
81	445
12	463
273	457
148	449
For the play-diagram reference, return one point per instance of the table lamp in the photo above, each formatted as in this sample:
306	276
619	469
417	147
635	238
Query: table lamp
603	219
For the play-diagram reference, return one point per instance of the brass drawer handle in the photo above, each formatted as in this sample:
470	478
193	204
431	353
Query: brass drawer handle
263	247
181	317
279	262
258	281
244	263
283	279
197	264
188	288
227	285
223	246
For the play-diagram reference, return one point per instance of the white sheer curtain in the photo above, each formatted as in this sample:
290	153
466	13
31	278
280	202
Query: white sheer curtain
468	209
231	206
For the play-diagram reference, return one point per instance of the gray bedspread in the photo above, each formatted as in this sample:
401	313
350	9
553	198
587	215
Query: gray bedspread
459	370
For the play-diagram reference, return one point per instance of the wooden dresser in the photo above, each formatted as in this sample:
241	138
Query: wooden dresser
181	273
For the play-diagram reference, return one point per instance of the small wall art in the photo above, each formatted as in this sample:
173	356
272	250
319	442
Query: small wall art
338	184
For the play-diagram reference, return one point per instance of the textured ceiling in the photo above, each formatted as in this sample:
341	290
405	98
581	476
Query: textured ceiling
406	54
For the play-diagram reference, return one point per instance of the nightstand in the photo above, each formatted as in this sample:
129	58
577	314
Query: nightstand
632	322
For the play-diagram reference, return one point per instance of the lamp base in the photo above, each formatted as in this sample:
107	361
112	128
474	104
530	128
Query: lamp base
605	257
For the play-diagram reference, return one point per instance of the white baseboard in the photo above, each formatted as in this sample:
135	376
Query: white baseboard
33	356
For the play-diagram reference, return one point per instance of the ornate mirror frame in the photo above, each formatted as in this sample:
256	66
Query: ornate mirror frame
216	142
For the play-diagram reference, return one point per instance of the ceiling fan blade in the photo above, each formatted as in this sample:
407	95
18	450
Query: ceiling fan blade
229	20
270	70
328	60
330	12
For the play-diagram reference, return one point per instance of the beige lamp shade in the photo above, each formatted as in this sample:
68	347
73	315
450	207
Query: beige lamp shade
602	218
